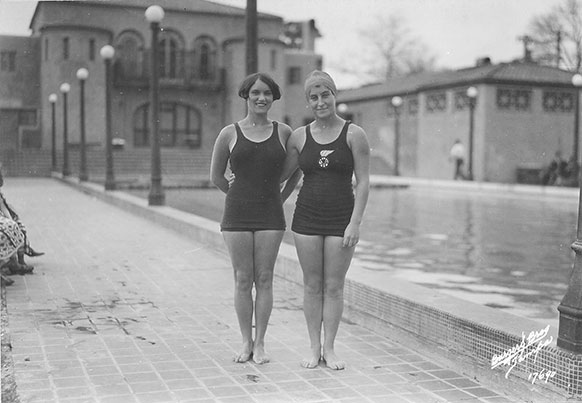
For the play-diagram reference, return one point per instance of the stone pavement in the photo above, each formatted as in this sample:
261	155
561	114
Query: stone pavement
123	310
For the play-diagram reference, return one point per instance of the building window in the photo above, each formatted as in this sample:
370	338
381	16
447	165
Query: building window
294	75
204	58
46	49
8	60
129	55
513	99
180	126
413	106
91	49
436	102
171	55
461	100
554	101
66	48
27	117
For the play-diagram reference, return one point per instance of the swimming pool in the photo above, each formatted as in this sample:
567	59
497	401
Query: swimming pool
502	250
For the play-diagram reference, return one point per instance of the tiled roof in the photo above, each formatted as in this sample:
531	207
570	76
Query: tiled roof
511	73
199	6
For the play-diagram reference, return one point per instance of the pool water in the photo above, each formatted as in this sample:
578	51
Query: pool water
510	252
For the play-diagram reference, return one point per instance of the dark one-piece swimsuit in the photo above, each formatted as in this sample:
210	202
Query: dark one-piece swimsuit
253	202
326	200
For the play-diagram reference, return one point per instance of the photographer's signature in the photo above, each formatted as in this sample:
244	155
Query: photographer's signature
529	346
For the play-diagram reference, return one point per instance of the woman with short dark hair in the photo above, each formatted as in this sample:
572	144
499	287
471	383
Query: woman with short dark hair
253	221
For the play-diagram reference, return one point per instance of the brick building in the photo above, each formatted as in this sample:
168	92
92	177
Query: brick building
202	61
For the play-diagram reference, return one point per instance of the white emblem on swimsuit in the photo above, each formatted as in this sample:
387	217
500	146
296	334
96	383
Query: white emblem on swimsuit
323	161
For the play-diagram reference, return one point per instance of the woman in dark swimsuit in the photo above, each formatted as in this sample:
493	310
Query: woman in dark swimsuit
326	222
253	222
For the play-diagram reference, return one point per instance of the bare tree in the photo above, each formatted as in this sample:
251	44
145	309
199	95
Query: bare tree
556	37
389	49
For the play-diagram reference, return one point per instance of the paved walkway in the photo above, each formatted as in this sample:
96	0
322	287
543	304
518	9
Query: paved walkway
122	310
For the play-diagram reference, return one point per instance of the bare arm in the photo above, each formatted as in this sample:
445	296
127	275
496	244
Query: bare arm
361	152
291	172
220	156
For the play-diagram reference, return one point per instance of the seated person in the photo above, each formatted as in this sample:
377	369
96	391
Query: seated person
16	264
11	240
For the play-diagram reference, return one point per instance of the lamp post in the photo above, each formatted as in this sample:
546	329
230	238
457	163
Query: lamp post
156	197
107	52
396	104
577	82
472	94
65	88
251	42
53	100
570	308
82	75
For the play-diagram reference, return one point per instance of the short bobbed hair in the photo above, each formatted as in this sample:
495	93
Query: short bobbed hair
250	80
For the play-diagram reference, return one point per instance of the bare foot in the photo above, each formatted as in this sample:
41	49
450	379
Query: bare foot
312	362
260	355
332	361
245	354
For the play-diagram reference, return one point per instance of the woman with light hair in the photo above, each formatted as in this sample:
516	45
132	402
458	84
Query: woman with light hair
330	151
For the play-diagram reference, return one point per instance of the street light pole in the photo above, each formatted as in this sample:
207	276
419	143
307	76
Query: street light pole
65	88
396	103
155	14
472	94
53	100
107	52
82	75
570	308
577	82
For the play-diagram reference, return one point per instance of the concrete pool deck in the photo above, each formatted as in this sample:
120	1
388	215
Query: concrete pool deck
460	330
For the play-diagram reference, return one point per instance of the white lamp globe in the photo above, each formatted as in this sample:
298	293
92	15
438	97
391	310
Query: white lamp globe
472	92
107	52
82	73
396	101
154	14
65	87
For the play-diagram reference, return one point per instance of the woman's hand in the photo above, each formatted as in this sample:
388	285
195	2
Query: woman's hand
351	235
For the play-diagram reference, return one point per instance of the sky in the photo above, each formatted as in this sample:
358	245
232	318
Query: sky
456	32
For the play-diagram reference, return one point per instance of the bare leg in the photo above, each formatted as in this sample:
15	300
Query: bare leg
310	253
266	248
336	263
240	248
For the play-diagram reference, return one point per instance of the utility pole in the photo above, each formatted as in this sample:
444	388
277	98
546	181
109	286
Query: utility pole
558	48
526	40
251	37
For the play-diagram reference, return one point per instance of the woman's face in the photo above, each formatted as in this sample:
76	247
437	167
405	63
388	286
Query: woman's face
260	97
321	101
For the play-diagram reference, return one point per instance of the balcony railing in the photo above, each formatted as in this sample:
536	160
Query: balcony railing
181	69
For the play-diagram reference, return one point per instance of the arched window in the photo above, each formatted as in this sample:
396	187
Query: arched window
129	55
171	55
204	58
180	125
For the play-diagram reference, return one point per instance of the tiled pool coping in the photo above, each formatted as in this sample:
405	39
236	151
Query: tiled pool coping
476	332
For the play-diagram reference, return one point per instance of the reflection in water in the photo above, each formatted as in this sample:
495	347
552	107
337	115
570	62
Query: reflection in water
501	251
505	251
